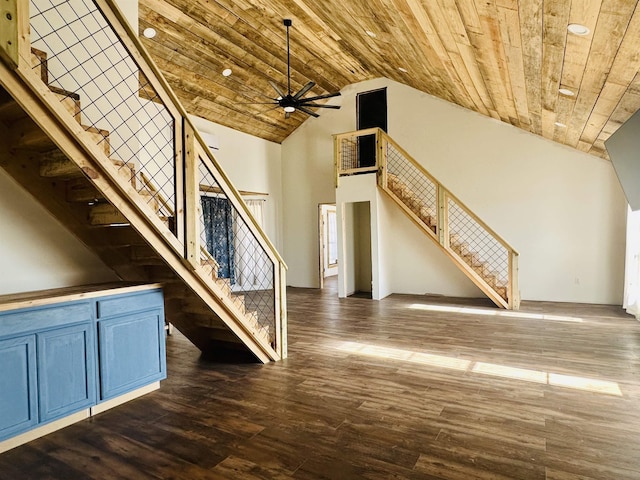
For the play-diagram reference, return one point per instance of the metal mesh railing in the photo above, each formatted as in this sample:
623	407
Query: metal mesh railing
476	246
357	151
412	186
82	58
234	258
348	153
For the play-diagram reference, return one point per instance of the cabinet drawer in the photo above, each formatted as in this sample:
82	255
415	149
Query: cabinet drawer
32	319
18	387
132	352
126	304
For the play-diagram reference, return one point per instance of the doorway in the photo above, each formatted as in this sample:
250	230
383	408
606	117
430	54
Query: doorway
357	245
371	112
327	241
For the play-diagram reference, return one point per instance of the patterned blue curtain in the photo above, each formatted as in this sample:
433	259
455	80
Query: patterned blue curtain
218	227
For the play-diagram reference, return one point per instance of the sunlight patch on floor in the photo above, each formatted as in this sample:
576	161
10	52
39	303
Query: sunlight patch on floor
483	368
406	355
494	312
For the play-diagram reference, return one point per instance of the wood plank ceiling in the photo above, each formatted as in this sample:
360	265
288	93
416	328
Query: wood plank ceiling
506	59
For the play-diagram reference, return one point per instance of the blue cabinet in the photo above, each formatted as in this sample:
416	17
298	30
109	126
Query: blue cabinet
60	358
131	342
18	390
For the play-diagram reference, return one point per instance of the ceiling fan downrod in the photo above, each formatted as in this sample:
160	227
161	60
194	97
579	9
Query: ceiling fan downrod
287	23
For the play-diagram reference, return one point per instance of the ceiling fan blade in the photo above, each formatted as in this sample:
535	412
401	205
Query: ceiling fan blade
319	105
304	90
277	89
320	97
307	111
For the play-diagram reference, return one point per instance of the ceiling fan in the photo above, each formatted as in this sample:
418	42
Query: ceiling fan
292	102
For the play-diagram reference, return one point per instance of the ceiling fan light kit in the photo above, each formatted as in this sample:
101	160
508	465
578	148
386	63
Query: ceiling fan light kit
291	102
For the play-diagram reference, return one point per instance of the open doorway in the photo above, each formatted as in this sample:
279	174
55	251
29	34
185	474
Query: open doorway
371	112
358	268
327	241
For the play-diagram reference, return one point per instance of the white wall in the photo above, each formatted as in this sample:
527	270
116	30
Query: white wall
36	251
563	210
307	180
252	164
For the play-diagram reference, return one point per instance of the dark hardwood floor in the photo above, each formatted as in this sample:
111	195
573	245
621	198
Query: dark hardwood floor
408	387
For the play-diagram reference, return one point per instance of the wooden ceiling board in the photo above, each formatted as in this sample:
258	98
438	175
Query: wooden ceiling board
505	59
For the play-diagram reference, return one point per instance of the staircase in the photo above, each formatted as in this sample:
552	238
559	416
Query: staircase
482	255
131	193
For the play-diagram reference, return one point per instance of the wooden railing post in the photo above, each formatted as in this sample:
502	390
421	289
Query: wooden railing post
443	220
14	32
382	158
192	198
281	291
337	160
514	288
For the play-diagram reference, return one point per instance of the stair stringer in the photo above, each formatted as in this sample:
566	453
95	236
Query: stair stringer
462	266
42	106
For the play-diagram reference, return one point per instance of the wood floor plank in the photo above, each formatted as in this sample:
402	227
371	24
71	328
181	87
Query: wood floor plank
410	387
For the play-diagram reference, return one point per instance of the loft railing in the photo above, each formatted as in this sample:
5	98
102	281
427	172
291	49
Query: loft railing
83	56
487	259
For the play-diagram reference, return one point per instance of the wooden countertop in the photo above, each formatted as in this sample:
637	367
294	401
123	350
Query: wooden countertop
15	301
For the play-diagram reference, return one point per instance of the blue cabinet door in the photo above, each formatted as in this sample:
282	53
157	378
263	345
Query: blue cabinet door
132	352
18	387
66	370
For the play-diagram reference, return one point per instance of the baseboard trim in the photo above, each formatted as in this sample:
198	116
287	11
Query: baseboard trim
127	397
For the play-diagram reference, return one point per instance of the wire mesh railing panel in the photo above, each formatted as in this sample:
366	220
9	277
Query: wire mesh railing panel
234	258
83	57
348	149
357	153
412	186
477	246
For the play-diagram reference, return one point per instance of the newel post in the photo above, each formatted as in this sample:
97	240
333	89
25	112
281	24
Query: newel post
281	310
513	286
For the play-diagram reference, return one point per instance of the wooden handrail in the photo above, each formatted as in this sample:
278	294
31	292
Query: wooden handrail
358	133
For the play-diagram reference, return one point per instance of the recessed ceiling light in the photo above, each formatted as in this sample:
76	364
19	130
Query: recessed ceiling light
567	92
403	70
370	33
149	32
289	109
226	72
578	29
560	124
